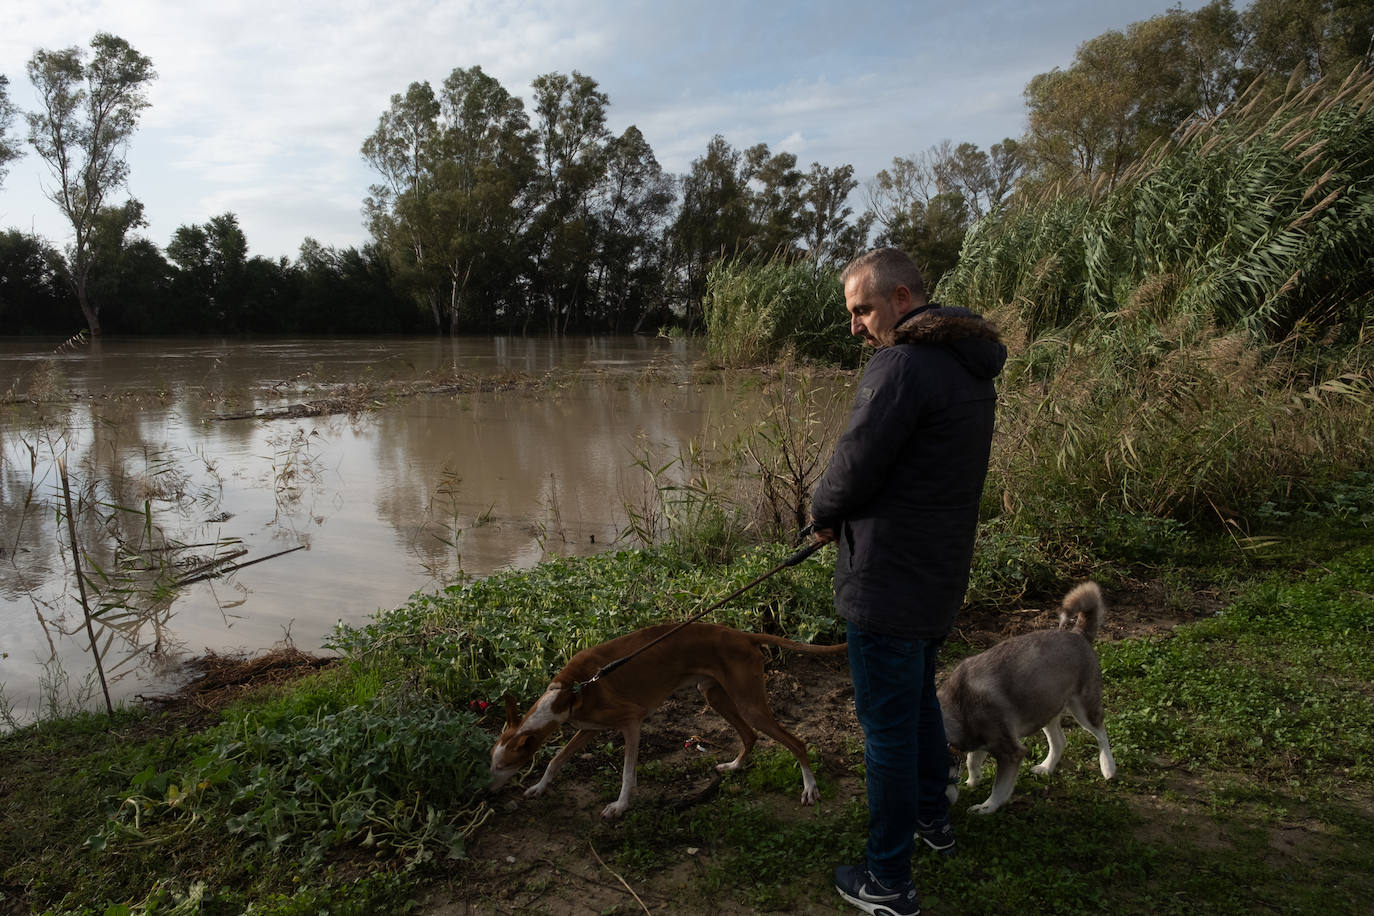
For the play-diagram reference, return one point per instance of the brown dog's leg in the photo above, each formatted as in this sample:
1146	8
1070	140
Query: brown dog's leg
556	764
627	779
720	701
746	692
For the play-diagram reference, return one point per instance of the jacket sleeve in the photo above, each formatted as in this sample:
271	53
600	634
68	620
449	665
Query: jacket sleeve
886	408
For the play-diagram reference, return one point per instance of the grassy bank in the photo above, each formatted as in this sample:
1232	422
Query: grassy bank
1245	743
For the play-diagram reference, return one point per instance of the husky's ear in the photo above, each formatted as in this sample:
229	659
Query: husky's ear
512	711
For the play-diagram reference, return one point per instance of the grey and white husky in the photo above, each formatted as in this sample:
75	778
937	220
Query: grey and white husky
995	698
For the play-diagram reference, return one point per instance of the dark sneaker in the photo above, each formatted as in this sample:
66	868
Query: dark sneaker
938	835
858	886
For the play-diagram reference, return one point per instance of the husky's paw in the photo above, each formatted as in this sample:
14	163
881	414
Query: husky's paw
986	807
614	810
1042	769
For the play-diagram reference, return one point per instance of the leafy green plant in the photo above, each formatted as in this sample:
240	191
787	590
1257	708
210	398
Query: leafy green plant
398	776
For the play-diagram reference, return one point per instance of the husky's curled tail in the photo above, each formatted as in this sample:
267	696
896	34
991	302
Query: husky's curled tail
1084	603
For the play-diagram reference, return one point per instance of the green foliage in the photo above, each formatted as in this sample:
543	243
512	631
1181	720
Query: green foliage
1194	344
756	312
1265	687
397	775
1227	732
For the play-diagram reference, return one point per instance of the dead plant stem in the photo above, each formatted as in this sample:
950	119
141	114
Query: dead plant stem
81	584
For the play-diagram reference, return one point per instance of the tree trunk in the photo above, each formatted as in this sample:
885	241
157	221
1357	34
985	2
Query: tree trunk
89	310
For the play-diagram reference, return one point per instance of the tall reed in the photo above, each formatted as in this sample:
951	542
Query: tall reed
756	312
1258	219
1196	342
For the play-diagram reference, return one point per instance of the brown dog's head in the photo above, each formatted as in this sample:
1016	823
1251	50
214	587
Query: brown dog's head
522	737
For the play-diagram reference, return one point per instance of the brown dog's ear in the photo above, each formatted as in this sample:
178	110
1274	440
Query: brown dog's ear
512	711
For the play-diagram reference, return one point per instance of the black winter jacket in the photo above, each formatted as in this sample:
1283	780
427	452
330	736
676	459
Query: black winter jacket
903	486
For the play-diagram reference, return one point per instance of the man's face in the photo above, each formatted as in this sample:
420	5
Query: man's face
872	316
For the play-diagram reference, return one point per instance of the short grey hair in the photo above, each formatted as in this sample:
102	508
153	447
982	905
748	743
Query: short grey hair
888	268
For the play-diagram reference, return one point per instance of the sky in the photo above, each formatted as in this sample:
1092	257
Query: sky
260	107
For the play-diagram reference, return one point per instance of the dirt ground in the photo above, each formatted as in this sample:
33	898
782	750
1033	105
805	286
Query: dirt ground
540	855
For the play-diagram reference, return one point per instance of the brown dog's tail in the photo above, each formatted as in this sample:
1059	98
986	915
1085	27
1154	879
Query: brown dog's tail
808	648
1084	603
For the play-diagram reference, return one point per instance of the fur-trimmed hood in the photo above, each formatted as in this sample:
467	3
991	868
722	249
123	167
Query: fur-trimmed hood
973	339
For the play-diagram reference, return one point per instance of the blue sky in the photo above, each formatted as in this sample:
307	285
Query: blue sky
260	107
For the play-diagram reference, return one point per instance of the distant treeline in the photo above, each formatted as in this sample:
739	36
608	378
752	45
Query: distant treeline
489	216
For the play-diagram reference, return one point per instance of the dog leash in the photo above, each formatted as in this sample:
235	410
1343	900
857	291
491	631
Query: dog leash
790	561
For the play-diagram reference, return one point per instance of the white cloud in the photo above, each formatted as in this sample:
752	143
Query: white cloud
260	107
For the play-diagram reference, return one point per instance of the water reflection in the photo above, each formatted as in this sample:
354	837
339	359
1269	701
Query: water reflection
401	498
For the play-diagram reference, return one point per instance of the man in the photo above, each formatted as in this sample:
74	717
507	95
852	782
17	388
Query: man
900	498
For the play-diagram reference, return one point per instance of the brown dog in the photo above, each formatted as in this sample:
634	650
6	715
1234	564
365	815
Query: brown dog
725	664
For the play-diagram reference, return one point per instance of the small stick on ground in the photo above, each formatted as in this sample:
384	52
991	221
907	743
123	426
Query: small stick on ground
617	877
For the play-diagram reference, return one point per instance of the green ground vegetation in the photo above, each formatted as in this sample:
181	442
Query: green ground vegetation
1244	740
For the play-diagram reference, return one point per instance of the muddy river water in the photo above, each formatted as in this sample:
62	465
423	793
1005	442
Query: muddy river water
409	494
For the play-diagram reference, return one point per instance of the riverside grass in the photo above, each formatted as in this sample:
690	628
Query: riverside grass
1238	737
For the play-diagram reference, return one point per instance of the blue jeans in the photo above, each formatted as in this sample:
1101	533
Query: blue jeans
905	751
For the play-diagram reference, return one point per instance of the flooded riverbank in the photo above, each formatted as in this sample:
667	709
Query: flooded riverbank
403	493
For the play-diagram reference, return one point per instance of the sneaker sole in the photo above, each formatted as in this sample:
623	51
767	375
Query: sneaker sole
873	908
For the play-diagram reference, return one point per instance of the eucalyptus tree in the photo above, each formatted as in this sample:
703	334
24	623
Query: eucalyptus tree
984	179
211	261
925	203
825	214
401	150
905	187
1310	38
712	222
90	110
9	148
1128	90
632	204
451	209
776	188
737	204
571	135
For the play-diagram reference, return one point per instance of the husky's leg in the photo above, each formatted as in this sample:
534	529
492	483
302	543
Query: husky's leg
1008	764
1083	713
1054	734
974	762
